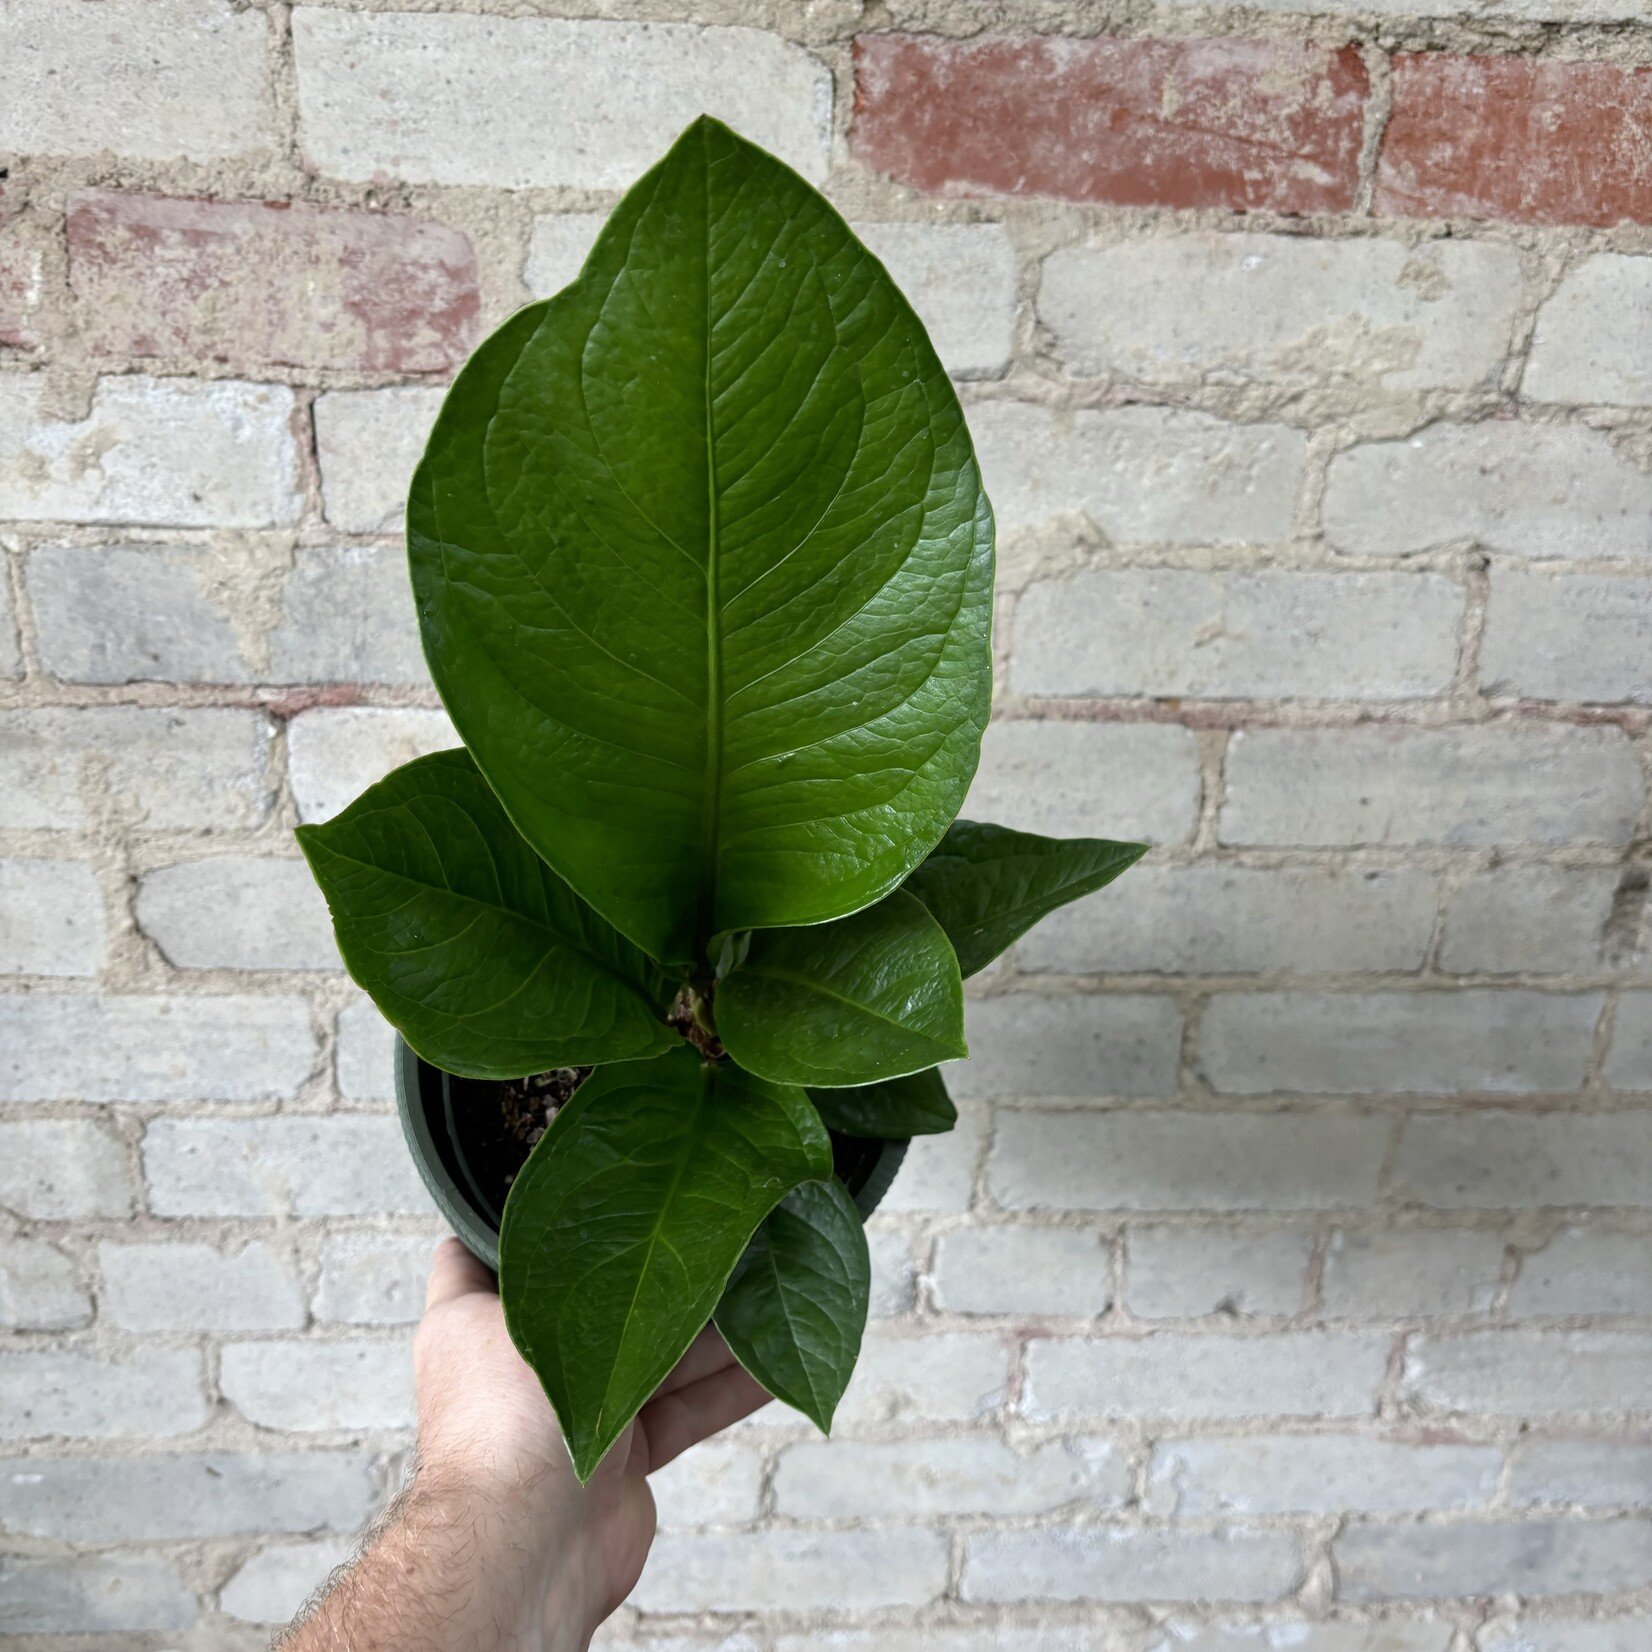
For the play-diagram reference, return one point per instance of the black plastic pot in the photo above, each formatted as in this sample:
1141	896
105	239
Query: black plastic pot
425	1099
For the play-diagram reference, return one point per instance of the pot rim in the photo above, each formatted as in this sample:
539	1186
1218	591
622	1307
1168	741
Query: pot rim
475	1232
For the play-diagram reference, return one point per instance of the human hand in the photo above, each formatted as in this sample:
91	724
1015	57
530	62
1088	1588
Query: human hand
496	1543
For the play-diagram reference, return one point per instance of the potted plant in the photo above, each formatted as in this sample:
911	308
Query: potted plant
676	942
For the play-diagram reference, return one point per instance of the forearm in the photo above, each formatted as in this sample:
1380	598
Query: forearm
447	1571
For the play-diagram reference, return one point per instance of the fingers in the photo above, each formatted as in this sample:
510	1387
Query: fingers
454	1272
707	1353
684	1417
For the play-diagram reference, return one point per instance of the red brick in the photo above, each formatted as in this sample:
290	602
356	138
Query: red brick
255	283
1532	140
1181	123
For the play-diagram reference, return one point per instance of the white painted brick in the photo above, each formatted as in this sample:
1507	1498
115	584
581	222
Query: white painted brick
616	1632
1602	1473
237	912
166	452
219	1494
347	617
54	1169
368	443
1098	1563
1581	1271
898	1637
1511	1042
373	1278
960	278
1548	10
154	1391
1395	785
1205	920
196	1287
1377	314
1188	1376
1475	1557
1593	341
557	248
917	1479
1029	1044
51	918
141	613
1515	1373
366	1053
93	1594
1630	1634
792	1571
938	1173
135	613
718	1483
1315	1474
1495	1161
461	100
1139	475
1185	1273
1185	1161
340	1166
143	1048
1135	781
1568	637
39	1288
165	769
336	753
1519	489
11	652
1022	1271
1403	1273
155	80
1225	635
1540	920
944	1377
1296	1635
319	1385
894	1276
1629	1061
273	1586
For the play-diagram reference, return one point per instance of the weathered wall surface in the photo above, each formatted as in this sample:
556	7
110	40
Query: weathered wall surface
1288	1283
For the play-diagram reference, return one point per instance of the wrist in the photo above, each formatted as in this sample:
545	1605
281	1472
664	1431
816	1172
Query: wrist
517	1575
457	1566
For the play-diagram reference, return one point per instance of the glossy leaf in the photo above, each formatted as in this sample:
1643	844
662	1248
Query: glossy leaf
987	885
486	961
795	1309
917	1105
704	567
624	1226
873	996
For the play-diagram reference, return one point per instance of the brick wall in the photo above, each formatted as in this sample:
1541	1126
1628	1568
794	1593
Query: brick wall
1288	1282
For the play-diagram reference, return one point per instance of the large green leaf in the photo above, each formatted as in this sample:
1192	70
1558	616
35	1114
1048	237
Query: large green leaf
795	1309
704	567
873	996
486	961
987	885
624	1225
917	1105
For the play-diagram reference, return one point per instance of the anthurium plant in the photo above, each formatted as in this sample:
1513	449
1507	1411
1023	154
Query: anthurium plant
703	567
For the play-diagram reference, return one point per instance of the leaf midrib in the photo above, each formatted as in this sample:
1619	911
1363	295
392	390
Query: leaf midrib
691	1142
711	801
810	983
527	921
999	914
